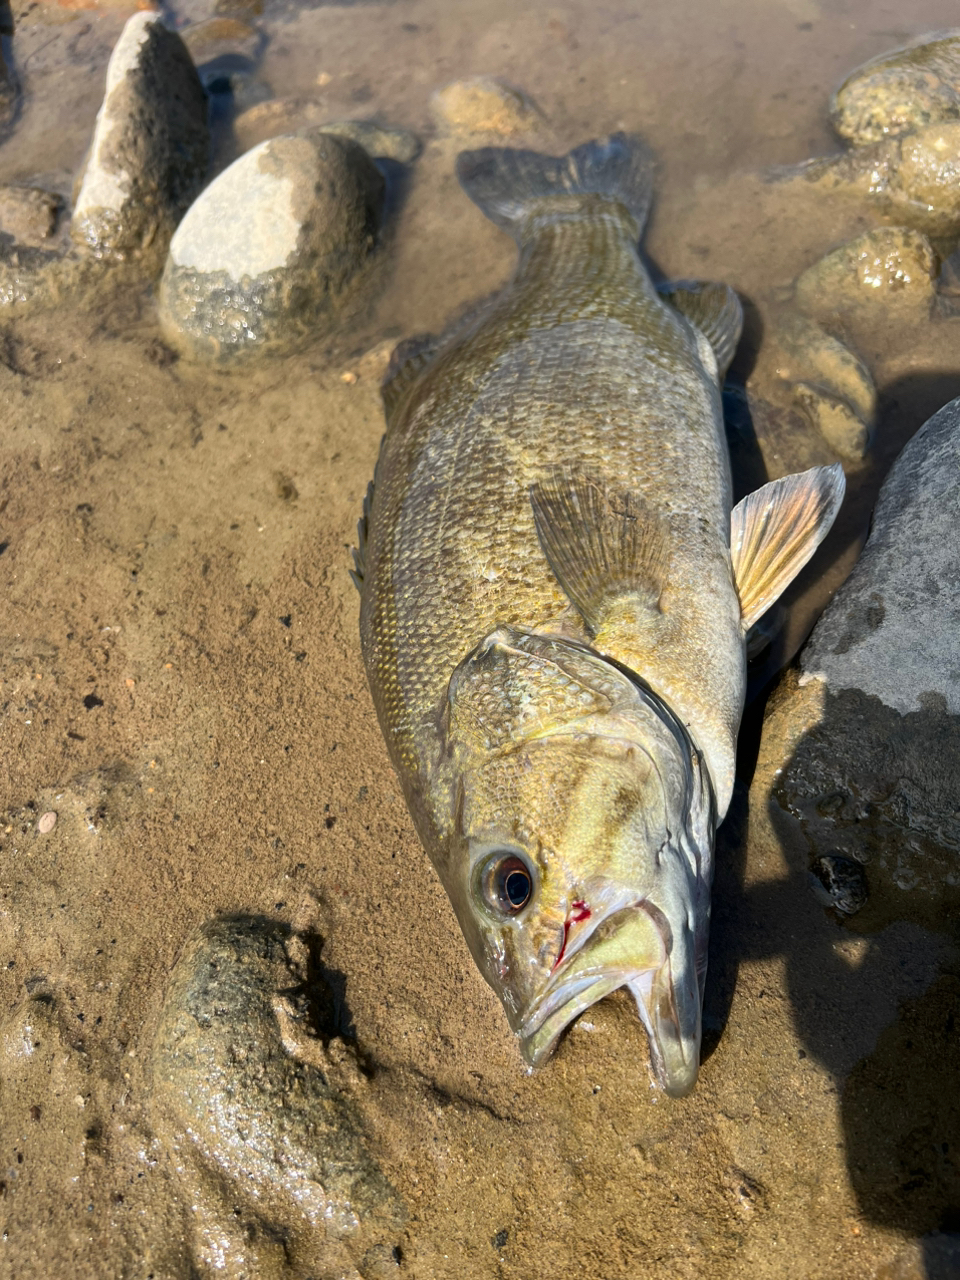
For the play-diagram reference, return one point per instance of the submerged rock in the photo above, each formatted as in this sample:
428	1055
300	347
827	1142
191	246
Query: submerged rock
29	214
296	115
875	773
150	147
900	91
831	385
482	104
270	250
258	1102
894	267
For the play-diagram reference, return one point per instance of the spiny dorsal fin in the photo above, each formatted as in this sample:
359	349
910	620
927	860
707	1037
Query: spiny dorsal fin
600	544
408	359
714	309
776	529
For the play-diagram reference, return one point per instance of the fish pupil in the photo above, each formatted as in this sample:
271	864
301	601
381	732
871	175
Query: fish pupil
516	887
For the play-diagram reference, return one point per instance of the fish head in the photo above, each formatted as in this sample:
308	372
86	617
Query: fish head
583	844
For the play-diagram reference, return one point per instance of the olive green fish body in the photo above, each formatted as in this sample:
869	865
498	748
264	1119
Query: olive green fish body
554	599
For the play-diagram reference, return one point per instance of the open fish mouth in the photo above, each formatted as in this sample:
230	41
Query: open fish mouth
633	947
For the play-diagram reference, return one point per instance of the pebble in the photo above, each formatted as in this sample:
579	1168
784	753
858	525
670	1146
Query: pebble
29	214
150	147
483	105
900	91
275	276
894	268
46	822
875	774
221	37
260	1104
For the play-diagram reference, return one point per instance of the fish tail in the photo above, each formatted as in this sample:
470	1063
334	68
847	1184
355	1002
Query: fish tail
515	188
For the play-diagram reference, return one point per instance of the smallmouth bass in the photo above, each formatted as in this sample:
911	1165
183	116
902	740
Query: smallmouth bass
554	600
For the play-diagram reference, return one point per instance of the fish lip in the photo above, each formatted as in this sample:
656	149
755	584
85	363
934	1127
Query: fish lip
669	1004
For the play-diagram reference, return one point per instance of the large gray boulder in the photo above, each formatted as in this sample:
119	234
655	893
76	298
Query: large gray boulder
150	148
893	629
872	727
270	250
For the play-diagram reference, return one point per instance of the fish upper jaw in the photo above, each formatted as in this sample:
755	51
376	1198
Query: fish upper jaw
633	947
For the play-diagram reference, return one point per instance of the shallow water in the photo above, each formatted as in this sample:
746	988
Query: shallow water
182	685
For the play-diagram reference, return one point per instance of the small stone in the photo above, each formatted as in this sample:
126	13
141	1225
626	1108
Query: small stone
841	883
839	425
900	91
272	119
46	822
483	105
29	214
267	280
378	141
150	147
890	267
222	37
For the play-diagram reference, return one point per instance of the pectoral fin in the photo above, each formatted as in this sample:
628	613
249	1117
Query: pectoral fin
715	310
775	530
601	545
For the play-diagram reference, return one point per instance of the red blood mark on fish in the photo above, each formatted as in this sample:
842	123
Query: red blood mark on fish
578	911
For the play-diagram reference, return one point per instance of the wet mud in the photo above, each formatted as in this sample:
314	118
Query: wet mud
182	688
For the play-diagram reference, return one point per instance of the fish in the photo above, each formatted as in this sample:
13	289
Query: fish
555	592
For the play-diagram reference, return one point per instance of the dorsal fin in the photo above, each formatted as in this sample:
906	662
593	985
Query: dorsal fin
408	359
776	529
600	544
714	309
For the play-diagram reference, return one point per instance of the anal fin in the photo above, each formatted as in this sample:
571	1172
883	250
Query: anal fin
714	309
776	529
601	544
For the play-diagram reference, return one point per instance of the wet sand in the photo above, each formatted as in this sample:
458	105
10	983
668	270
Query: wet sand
182	686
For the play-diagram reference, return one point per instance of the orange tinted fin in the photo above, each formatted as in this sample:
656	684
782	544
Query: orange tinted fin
775	530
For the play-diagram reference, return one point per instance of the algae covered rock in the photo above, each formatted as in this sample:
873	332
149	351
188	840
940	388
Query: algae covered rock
265	256
254	1093
150	147
900	91
895	267
482	104
831	385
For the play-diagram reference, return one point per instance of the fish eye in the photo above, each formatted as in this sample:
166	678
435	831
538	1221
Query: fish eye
507	884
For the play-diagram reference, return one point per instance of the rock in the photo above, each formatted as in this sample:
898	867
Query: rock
222	37
483	105
378	141
253	1089
311	207
295	115
893	629
840	882
831	385
150	147
893	268
842	429
29	214
900	91
934	1257
875	773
